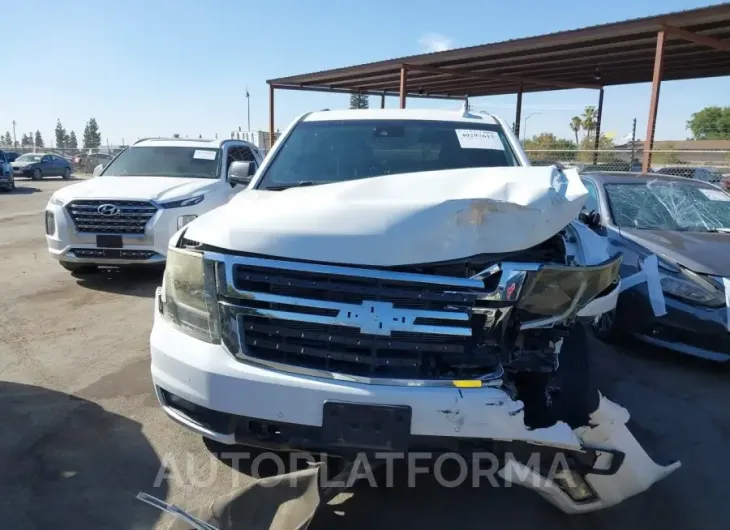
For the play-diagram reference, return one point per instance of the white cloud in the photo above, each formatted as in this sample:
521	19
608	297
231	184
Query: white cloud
435	42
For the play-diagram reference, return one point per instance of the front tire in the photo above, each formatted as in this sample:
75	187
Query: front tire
79	268
37	174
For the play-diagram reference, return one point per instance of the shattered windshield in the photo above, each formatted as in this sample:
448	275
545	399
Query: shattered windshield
336	151
669	205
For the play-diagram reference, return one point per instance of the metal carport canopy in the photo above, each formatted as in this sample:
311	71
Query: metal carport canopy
682	45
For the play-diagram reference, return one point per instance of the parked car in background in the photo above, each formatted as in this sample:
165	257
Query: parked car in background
705	174
39	165
127	214
11	156
86	163
7	181
686	224
615	165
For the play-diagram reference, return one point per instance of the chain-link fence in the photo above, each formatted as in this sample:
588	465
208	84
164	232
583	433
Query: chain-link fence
676	162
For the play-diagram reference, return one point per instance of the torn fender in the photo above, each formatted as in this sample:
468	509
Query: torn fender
607	430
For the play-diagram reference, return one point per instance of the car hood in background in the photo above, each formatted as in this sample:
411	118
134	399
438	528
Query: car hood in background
399	219
22	164
701	252
135	188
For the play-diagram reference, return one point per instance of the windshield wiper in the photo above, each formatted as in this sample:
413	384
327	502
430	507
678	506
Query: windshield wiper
299	184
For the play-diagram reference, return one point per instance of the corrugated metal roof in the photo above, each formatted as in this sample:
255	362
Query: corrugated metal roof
609	54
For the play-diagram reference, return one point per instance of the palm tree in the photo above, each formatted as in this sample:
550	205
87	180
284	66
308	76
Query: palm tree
589	120
575	124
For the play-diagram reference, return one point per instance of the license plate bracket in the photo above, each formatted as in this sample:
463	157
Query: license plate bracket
109	241
366	427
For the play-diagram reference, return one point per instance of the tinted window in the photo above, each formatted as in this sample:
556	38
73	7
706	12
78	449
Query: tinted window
164	162
333	151
592	200
667	205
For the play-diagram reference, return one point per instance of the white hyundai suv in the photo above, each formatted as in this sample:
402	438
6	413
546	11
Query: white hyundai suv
128	212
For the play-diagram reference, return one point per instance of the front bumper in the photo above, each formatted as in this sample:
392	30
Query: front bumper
68	245
686	328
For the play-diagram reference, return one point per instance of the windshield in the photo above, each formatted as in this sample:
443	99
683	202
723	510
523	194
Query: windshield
335	151
165	162
29	158
666	205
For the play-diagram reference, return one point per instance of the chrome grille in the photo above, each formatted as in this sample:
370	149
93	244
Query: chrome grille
129	217
369	323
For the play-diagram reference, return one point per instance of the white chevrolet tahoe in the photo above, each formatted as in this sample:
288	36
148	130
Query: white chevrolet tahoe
127	213
401	279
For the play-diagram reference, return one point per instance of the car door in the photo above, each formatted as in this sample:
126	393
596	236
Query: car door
46	166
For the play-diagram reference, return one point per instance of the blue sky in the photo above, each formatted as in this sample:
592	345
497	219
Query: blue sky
158	67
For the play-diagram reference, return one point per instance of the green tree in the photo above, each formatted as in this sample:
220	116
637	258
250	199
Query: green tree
60	135
575	125
711	123
26	141
546	147
587	146
38	140
589	121
7	139
359	101
72	142
92	136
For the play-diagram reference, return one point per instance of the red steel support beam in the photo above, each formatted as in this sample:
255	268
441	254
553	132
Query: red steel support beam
403	85
599	116
271	116
518	112
661	40
703	40
455	72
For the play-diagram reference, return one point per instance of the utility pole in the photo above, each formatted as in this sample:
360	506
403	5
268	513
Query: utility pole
15	141
248	109
633	143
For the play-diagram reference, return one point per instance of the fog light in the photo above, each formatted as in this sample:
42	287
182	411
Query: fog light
50	223
573	483
184	219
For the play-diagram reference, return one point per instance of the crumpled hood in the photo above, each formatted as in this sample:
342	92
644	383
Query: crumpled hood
700	252
399	219
135	188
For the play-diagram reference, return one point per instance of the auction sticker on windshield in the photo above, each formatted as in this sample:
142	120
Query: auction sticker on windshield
715	195
476	139
201	154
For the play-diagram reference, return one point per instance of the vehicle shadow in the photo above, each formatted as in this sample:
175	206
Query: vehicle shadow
24	190
65	462
140	282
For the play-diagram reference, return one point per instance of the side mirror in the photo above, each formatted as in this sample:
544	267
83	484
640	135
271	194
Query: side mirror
591	218
98	169
241	173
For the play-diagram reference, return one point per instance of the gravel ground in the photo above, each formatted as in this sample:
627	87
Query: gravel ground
81	432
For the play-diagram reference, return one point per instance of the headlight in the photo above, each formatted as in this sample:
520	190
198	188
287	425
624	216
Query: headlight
189	296
686	287
190	201
56	201
50	223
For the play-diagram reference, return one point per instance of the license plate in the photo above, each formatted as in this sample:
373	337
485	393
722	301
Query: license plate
109	241
367	427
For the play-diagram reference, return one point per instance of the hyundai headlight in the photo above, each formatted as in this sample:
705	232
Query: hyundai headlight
182	203
687	286
190	297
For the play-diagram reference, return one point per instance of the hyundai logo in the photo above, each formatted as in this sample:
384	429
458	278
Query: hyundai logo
108	209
